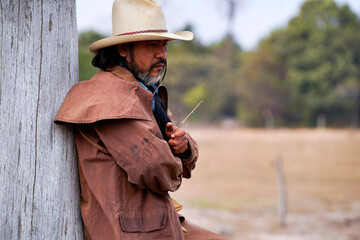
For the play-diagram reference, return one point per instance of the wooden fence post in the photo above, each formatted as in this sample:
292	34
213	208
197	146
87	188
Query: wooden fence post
282	205
39	188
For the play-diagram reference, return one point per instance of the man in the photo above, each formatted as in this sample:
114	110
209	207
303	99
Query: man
130	154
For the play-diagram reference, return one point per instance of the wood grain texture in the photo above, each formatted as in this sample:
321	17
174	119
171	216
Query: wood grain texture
39	189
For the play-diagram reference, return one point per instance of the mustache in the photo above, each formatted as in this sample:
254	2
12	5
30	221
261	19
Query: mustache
161	61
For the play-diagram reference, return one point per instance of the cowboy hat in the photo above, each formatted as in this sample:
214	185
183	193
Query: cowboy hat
138	20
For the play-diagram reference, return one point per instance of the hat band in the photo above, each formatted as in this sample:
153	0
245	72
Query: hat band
144	31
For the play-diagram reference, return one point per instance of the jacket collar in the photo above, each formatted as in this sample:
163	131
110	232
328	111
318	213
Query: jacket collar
122	73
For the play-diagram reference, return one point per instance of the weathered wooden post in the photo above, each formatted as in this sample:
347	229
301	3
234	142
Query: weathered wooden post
39	190
282	205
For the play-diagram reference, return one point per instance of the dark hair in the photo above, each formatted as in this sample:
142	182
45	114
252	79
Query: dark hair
107	57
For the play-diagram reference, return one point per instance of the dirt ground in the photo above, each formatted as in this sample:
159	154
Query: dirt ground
234	190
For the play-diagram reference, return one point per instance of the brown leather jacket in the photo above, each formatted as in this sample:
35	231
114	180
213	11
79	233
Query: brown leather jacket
126	167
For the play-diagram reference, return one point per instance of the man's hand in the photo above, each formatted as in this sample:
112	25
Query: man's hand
178	142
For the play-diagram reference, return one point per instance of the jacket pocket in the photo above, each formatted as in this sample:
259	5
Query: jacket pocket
137	221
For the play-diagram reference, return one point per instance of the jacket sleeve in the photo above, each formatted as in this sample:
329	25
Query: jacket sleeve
189	163
141	153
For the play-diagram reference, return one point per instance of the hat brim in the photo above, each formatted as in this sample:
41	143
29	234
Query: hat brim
115	40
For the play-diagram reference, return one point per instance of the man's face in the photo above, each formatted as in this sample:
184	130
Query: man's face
146	58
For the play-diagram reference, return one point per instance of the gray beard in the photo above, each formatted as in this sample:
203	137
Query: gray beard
147	80
145	77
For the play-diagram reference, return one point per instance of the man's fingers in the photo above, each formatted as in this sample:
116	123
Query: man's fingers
178	133
173	142
169	127
179	148
178	141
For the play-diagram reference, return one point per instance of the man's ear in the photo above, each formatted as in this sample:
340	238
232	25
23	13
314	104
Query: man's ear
123	50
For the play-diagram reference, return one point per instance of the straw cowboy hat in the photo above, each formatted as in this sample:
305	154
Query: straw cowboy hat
138	20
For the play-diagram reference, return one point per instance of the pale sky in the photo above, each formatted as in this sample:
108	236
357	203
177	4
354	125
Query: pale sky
254	20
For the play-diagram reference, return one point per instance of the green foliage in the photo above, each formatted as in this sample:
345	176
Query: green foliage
307	69
86	70
323	60
203	71
194	95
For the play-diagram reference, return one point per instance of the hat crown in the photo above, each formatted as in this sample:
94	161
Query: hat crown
133	16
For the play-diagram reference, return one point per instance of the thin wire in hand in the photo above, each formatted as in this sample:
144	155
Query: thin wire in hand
192	111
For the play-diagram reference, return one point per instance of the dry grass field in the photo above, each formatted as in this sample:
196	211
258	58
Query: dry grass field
233	189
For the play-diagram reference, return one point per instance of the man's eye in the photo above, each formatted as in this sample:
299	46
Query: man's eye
152	44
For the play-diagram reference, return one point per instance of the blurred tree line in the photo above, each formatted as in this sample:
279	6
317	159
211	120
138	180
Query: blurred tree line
303	75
